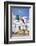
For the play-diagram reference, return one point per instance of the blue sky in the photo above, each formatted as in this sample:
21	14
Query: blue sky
21	11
